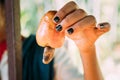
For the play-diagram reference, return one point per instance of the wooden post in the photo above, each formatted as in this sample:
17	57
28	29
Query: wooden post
13	39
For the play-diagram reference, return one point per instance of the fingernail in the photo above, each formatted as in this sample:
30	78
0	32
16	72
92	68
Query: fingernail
56	19
59	28
70	31
102	26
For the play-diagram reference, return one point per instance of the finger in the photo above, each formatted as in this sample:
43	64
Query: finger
71	19
102	28
68	8
86	23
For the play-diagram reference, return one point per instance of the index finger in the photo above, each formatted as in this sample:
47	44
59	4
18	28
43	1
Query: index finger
66	9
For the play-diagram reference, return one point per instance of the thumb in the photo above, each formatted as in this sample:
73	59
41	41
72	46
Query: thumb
102	28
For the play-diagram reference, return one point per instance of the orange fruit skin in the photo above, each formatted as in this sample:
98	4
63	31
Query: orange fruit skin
47	35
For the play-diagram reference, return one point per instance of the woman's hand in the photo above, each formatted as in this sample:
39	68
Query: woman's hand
82	29
76	24
79	26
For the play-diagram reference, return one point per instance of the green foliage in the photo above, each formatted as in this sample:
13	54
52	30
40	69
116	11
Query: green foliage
29	18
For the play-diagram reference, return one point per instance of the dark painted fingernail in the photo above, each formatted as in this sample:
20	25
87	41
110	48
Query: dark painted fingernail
56	19
58	28
70	31
102	26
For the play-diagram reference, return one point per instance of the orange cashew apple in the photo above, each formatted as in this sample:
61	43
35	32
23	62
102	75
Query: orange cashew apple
48	37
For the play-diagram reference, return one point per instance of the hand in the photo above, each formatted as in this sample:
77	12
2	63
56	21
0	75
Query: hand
82	29
79	26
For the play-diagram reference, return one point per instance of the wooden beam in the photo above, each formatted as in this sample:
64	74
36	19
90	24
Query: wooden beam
13	39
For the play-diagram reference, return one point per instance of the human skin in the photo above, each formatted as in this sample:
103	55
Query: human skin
82	29
76	24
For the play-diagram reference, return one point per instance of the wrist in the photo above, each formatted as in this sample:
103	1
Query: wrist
87	50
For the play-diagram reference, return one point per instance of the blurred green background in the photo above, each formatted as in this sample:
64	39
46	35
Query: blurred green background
108	45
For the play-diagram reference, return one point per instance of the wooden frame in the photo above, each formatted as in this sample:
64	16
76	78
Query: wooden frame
13	39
